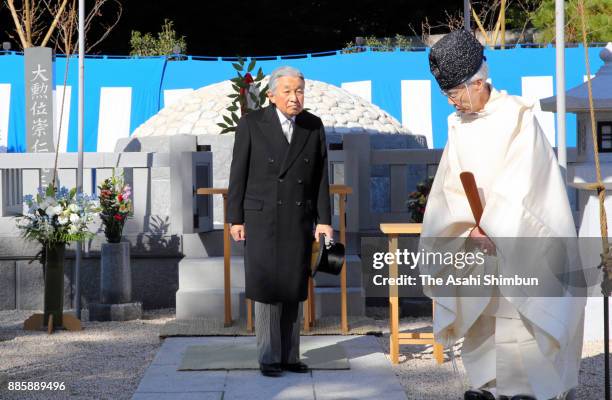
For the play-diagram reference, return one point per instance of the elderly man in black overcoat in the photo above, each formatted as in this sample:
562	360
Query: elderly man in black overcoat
279	192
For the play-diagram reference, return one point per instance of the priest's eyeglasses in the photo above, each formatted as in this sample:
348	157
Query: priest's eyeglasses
453	94
456	93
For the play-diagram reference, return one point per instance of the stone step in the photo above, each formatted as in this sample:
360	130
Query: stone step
327	301
353	274
207	273
210	302
207	303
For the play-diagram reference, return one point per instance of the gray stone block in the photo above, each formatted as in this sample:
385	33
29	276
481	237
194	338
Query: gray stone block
208	273
160	197
206	303
208	244
30	285
155	281
148	243
160	174
328	301
115	312
16	246
7	285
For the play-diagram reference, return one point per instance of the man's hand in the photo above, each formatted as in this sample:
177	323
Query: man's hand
480	238
327	230
237	232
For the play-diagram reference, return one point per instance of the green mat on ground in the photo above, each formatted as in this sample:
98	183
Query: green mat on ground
214	327
244	356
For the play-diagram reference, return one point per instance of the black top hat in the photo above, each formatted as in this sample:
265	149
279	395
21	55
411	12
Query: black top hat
455	58
327	258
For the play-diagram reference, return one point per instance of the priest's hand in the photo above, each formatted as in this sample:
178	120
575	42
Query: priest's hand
482	241
606	262
327	230
237	232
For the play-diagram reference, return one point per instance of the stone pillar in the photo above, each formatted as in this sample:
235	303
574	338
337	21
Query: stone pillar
115	273
115	286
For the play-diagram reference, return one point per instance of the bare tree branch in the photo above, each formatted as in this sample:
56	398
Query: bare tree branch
54	23
107	28
18	27
27	14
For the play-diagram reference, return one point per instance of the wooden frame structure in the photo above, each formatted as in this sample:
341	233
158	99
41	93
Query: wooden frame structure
309	306
395	337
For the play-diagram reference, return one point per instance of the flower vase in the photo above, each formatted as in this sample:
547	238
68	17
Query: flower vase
54	284
115	273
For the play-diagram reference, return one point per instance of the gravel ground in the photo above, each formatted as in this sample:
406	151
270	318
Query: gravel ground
423	379
107	360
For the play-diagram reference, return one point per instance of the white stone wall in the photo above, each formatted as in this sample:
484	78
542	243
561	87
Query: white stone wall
198	113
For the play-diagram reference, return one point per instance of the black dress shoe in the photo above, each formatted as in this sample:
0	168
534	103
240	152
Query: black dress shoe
478	394
522	397
273	370
298	367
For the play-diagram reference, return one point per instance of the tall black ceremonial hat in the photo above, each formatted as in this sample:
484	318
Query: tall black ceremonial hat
455	58
327	258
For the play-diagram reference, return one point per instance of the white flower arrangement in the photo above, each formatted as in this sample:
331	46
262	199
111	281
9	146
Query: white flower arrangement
57	216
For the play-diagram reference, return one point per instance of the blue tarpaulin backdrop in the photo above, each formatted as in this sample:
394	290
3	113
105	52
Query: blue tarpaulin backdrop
149	77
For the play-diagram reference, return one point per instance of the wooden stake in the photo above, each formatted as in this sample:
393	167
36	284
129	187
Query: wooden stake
50	324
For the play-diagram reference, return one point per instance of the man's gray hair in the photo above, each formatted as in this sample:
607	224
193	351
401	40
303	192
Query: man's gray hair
482	73
283	71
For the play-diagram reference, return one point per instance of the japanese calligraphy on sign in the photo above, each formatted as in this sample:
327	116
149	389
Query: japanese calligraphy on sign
39	83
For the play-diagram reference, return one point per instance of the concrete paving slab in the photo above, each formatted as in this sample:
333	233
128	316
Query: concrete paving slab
370	377
254	386
173	348
317	354
165	378
179	396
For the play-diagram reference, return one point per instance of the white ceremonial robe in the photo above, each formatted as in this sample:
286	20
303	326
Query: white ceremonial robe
524	345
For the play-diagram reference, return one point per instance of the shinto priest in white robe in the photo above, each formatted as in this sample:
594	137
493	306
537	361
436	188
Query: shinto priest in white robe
521	344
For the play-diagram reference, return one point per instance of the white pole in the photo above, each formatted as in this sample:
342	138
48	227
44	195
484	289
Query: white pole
560	75
79	247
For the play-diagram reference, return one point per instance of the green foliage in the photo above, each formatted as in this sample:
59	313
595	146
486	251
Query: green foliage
400	42
417	200
518	13
163	45
598	16
249	94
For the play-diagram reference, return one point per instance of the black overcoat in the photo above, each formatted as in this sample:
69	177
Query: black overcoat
278	191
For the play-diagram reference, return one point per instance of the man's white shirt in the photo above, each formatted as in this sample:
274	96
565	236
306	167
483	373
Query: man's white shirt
287	124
